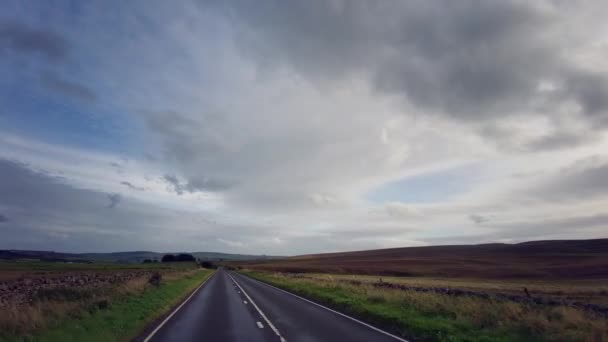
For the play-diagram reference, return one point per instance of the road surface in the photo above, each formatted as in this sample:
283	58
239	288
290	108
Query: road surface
233	307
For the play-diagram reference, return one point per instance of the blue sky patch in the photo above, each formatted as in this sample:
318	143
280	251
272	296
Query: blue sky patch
437	186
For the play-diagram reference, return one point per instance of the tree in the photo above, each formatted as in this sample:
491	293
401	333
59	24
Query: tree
184	257
178	258
168	258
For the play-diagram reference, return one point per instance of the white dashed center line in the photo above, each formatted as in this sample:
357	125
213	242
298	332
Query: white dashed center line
268	322
260	325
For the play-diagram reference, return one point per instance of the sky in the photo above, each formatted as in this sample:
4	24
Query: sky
295	127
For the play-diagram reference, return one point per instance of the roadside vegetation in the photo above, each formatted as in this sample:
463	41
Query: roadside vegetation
421	312
89	302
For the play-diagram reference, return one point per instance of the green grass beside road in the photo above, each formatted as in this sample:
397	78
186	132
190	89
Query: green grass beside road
127	314
424	316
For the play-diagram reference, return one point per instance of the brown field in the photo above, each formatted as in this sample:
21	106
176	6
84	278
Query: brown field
36	295
542	290
572	259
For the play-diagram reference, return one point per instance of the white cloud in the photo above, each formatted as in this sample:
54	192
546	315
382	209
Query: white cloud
231	243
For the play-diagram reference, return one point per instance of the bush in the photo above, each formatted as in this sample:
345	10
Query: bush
207	264
155	279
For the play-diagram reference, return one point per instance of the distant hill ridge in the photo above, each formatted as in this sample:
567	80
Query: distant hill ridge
123	257
534	247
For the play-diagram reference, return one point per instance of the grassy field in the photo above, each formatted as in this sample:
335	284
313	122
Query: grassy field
95	309
30	266
593	291
10	270
434	316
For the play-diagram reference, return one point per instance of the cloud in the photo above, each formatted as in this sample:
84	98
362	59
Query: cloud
590	89
68	88
3	218
469	61
231	243
561	140
550	228
195	185
114	200
585	178
478	219
20	38
208	184
536	134
401	210
132	187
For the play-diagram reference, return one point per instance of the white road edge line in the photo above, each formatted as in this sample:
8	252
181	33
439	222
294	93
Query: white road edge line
276	331
334	311
177	309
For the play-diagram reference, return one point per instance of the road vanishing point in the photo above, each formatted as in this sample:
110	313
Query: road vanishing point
232	307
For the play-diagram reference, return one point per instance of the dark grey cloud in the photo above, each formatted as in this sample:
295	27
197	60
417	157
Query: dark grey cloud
3	218
548	228
478	219
470	60
509	139
585	179
195	184
47	214
589	226
175	184
132	187
560	140
68	88
20	38
114	200
22	187
172	126
590	89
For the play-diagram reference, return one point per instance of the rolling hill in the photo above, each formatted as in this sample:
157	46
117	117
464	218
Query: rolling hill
572	259
120	257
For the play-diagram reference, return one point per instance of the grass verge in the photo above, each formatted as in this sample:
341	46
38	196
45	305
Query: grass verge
436	317
123	319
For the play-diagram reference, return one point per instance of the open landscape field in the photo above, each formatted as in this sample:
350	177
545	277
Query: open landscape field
574	259
44	301
535	291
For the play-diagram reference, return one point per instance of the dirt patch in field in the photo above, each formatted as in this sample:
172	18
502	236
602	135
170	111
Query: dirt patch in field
28	288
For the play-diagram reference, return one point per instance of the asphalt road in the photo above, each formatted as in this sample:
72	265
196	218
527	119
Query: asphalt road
233	307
